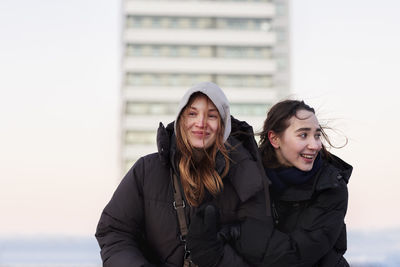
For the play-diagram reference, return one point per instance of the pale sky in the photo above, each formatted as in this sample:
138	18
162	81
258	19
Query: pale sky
59	89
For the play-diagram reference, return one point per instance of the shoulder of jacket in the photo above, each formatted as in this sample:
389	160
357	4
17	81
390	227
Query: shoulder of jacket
150	158
245	174
330	177
237	152
145	162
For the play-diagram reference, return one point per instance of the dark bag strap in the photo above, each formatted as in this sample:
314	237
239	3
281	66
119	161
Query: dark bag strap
179	206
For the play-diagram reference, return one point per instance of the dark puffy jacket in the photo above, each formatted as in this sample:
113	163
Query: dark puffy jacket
310	228
139	224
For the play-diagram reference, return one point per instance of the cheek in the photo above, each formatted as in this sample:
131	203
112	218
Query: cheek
319	145
293	145
187	123
293	149
213	126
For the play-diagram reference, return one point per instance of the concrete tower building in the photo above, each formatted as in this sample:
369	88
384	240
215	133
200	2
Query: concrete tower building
169	45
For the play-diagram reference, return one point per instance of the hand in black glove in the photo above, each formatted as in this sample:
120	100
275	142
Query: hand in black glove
229	233
253	240
205	248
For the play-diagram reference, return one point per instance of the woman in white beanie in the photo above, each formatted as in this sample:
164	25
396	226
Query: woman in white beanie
172	207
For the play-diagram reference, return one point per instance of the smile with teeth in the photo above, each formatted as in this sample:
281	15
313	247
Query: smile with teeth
307	156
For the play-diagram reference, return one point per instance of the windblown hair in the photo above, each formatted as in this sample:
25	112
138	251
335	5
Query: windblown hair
278	121
197	176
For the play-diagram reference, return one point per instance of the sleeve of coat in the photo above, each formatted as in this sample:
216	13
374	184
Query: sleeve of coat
256	227
315	235
119	229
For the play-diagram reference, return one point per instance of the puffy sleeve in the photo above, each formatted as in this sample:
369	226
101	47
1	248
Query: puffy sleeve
251	211
251	186
120	228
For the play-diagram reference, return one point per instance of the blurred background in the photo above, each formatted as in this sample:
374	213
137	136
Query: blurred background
83	85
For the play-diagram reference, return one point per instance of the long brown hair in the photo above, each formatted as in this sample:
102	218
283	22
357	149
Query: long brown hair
278	121
199	175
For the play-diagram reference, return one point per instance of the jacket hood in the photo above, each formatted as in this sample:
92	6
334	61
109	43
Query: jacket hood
217	96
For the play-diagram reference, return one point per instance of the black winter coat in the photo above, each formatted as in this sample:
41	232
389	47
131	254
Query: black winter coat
139	224
310	228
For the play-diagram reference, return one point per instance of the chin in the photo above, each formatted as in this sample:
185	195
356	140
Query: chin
305	168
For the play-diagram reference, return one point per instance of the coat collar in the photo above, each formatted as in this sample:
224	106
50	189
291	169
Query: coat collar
332	172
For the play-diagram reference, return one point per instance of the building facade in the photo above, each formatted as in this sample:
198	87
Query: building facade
169	45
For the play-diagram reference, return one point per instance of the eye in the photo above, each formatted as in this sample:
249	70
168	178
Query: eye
318	136
191	113
303	135
213	116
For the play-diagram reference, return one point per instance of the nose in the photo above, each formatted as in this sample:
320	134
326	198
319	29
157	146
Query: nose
314	144
200	121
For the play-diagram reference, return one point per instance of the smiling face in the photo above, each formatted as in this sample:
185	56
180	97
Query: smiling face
201	122
299	144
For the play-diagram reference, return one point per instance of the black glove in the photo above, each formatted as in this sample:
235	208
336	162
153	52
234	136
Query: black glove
205	248
229	233
253	240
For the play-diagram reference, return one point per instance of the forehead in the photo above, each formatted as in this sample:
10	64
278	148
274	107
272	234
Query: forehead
303	119
202	101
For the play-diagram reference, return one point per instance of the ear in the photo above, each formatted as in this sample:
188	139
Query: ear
274	139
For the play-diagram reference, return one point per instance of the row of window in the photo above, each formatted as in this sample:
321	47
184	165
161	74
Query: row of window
185	80
264	1
156	108
140	137
140	108
197	23
140	50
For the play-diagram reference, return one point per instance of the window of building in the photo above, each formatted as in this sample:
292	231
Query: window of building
243	52
253	109
197	23
174	79
168	79
262	81
140	137
225	0
241	23
140	50
150	108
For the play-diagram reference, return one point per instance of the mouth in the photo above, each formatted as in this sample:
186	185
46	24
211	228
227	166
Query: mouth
200	133
308	156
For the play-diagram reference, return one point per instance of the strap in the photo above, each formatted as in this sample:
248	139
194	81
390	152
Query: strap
179	205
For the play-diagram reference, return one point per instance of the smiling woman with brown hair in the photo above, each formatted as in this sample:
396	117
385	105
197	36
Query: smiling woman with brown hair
200	145
171	207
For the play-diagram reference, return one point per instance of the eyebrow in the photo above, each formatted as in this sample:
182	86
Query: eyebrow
305	129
